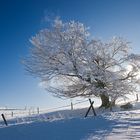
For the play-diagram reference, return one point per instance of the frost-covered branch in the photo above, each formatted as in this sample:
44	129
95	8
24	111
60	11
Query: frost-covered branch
82	65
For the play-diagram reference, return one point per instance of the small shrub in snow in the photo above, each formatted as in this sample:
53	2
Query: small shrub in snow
126	106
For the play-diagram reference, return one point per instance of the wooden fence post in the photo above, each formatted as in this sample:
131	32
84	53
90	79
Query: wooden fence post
12	114
91	107
29	111
137	97
71	106
37	110
4	119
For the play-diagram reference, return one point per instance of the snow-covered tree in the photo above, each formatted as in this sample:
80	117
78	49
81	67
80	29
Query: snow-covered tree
79	66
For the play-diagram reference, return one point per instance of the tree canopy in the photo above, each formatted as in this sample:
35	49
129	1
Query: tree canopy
80	65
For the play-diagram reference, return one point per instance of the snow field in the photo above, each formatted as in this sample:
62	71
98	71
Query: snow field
71	125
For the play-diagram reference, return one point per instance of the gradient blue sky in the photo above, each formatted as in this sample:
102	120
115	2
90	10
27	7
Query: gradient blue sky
21	19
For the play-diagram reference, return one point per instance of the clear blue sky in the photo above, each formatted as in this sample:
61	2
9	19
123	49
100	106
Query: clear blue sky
21	19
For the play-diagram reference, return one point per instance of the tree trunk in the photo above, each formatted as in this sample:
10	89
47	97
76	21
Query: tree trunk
105	101
112	103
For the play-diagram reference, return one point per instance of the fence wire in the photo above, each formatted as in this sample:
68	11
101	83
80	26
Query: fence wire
13	112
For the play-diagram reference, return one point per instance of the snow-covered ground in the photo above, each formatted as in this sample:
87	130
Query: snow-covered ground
72	125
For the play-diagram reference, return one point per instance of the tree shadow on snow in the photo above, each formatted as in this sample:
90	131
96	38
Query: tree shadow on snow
90	128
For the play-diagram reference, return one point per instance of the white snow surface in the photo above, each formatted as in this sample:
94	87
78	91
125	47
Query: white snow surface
72	125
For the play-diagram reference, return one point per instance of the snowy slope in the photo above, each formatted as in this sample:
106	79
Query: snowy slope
71	125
